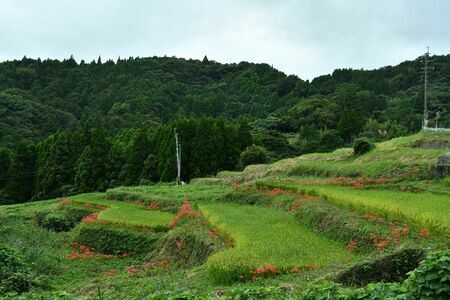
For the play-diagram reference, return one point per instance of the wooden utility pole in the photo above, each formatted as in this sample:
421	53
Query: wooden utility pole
178	153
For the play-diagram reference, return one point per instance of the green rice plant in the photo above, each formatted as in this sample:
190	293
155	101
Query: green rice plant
422	210
265	236
126	213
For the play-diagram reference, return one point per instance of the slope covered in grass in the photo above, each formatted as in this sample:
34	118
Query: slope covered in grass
265	236
407	157
420	209
125	213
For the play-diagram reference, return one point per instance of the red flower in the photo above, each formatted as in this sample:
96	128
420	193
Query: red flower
424	233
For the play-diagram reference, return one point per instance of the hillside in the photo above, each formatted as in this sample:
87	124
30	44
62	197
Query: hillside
144	92
68	127
318	225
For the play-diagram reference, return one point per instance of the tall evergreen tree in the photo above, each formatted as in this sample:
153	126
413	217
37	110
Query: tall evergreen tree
20	186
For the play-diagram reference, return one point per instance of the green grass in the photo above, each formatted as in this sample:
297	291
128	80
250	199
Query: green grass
404	157
428	210
265	235
124	212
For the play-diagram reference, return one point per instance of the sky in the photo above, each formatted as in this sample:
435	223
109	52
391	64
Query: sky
306	38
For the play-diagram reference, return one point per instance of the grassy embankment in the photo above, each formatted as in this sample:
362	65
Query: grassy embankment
425	210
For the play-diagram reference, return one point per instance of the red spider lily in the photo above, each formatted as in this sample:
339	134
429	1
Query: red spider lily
185	210
424	233
64	202
405	230
241	276
351	246
254	278
131	270
381	245
110	273
91	218
267	269
274	192
153	207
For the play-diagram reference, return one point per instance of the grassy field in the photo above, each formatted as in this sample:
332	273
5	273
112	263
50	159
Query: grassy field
124	212
264	232
265	236
431	211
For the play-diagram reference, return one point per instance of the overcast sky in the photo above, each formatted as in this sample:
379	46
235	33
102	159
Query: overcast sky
306	38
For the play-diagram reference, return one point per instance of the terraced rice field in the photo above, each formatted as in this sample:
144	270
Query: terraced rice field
428	210
125	213
265	236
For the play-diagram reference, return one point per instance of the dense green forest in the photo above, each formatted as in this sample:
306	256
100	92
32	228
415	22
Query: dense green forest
70	127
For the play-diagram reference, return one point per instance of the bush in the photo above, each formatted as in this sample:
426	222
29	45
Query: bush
362	145
14	274
64	218
431	280
54	220
105	238
253	155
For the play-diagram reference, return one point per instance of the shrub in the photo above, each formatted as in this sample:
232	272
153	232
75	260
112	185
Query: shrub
362	145
14	274
54	220
108	239
253	155
431	280
188	245
64	218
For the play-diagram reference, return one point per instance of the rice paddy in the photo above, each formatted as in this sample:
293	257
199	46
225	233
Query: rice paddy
266	236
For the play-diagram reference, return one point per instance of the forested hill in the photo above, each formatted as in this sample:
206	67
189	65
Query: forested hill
68	127
40	97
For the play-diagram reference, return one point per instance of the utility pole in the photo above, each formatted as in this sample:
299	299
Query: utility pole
178	152
425	83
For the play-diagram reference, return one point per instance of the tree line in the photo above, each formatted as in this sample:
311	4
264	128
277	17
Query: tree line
91	160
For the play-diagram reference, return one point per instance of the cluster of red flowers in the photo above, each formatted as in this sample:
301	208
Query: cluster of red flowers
153	207
131	270
165	263
381	243
64	202
347	181
351	246
91	218
373	217
274	192
80	251
360	182
110	273
424	233
185	211
267	269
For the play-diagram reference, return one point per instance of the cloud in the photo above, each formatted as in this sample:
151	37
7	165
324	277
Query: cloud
306	38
